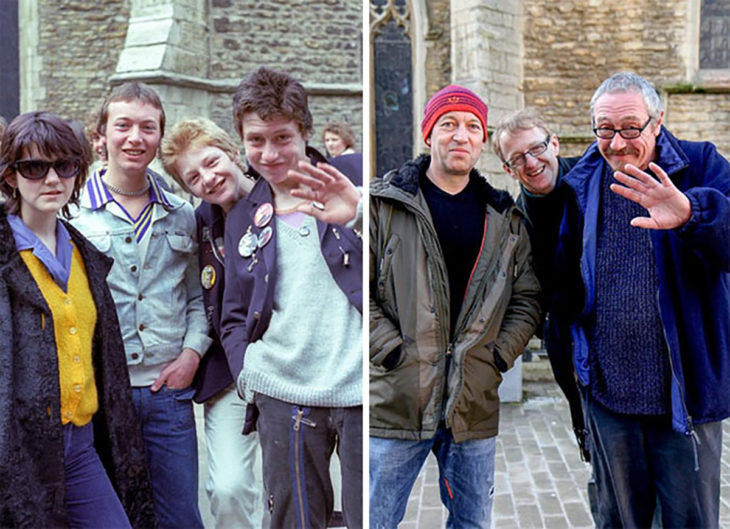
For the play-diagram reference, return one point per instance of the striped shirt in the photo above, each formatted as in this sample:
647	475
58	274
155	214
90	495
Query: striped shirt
99	196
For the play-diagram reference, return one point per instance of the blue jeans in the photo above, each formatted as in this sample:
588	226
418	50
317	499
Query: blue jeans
168	430
466	478
90	498
639	459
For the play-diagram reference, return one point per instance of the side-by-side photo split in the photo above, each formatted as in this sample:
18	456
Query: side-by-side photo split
187	188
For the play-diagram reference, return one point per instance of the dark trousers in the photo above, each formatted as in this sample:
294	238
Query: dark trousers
639	459
297	443
90	498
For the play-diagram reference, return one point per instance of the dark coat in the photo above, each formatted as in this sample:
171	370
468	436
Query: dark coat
544	214
693	267
32	492
213	375
249	293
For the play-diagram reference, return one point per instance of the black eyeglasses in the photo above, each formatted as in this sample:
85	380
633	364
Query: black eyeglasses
629	133
38	169
521	159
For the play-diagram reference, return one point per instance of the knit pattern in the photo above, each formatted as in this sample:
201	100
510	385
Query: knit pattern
453	98
74	318
629	358
311	352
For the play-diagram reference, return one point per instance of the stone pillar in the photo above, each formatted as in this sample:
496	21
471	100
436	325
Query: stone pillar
486	57
167	48
32	90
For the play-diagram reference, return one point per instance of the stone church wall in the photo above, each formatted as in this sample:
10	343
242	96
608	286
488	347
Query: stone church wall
73	50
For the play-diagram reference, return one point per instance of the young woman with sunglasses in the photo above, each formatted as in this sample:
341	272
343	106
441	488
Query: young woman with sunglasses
71	452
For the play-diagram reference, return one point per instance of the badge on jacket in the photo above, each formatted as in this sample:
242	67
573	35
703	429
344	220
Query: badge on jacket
265	236
263	215
248	244
207	277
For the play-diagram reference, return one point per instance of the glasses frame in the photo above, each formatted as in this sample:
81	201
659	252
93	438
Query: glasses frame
521	159
56	164
621	132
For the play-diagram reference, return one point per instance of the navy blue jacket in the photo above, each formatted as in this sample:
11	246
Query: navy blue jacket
213	375
249	291
693	267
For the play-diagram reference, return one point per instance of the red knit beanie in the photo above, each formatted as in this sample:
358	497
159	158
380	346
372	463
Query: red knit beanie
453	97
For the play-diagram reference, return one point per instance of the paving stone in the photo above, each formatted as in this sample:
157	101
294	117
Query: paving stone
577	514
529	516
558	469
543	481
554	522
549	503
431	519
551	453
503	506
545	487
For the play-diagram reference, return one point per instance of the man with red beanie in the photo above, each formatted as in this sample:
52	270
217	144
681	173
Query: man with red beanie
453	301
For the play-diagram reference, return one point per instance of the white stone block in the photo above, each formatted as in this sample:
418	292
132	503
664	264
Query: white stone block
510	390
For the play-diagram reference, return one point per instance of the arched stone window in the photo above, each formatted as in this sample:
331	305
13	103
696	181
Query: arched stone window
715	35
392	76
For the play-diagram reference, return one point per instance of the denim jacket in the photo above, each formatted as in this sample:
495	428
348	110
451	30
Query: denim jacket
159	300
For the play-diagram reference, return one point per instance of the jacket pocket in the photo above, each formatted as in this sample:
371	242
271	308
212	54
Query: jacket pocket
398	395
477	405
180	242
103	241
385	288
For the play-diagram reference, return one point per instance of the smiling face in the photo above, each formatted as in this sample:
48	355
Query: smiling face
537	174
273	147
44	197
132	136
456	141
619	111
211	175
334	143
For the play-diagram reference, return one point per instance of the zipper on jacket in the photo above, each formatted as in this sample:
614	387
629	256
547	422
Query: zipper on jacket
445	309
208	236
503	236
297	463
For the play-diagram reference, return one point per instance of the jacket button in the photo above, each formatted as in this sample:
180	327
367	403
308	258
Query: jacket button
133	268
127	239
140	297
72	330
256	315
142	326
135	356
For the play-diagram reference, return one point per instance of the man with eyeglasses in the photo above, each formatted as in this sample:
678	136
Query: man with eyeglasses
453	301
643	280
529	154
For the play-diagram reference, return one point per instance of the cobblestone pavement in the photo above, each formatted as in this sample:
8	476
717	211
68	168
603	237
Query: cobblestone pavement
540	479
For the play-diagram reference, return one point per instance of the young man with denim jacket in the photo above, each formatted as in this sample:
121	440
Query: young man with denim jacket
645	282
155	285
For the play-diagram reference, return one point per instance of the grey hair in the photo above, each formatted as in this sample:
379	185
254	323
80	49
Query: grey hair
625	82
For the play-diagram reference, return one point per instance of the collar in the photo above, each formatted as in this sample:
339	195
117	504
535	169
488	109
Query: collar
99	195
59	265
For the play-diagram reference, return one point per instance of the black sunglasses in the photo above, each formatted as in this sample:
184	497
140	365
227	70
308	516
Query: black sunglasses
38	169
